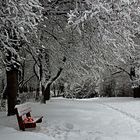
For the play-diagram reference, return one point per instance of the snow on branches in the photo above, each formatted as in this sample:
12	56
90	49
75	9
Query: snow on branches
114	25
18	19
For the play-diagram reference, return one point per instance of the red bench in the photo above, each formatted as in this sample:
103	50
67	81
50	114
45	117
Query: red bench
25	120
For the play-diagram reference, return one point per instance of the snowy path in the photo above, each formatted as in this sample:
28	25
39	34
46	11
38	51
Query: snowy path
123	112
94	119
87	120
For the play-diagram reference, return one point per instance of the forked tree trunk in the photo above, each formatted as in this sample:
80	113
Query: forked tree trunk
46	91
12	90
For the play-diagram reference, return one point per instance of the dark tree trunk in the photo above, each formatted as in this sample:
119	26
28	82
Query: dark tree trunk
136	90
46	91
37	94
12	90
54	91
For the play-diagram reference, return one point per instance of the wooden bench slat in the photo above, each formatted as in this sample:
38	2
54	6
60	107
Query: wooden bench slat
23	109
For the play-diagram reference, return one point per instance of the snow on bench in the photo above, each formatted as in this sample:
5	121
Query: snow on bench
25	120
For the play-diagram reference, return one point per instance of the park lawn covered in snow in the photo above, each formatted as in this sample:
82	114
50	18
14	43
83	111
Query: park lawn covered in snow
85	119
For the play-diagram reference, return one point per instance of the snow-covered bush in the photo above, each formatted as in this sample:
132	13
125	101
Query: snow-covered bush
85	89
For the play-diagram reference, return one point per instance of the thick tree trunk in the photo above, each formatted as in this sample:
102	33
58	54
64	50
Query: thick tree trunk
12	90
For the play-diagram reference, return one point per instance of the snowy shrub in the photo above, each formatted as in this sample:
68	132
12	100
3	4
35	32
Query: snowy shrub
84	90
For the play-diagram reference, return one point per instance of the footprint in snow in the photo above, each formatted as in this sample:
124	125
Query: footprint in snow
69	125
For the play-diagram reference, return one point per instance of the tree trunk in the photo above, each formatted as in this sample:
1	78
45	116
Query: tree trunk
46	91
12	90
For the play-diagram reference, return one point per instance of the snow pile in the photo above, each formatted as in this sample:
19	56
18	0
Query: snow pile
88	119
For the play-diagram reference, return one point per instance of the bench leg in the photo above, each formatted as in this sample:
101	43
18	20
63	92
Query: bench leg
20	121
22	128
39	120
21	124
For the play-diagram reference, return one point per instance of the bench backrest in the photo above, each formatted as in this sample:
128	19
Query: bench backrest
23	109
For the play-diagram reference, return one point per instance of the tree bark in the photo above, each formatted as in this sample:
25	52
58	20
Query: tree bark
46	91
12	90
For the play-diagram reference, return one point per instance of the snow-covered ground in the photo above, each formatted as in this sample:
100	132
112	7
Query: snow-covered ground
71	119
